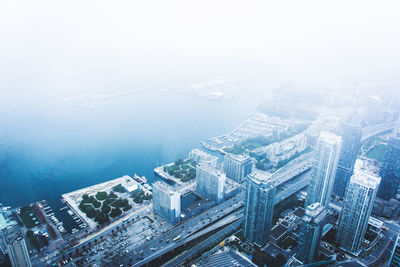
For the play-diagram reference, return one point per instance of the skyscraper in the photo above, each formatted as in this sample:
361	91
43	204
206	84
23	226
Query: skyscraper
390	171
310	233
237	167
258	208
357	207
395	256
323	171
351	135
166	202
16	247
210	183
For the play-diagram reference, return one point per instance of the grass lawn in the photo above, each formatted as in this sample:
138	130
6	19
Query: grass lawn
29	217
184	170
99	208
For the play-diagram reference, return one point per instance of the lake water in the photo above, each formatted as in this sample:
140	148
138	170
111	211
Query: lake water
48	147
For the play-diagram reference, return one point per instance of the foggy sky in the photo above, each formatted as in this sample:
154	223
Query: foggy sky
65	47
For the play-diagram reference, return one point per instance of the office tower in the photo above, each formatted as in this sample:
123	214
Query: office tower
199	156
390	171
210	183
16	247
357	207
395	256
237	167
166	202
351	135
258	208
323	171
310	233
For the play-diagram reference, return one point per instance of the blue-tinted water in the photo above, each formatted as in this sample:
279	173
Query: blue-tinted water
48	147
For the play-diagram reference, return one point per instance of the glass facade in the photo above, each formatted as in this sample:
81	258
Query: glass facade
310	233
357	207
351	136
323	171
259	209
390	171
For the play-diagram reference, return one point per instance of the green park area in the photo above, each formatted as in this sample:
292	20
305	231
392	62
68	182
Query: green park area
260	141
28	217
182	169
103	205
139	196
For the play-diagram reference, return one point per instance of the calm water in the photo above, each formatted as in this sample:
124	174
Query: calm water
48	147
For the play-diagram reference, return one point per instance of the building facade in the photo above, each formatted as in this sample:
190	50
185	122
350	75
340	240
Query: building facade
323	171
166	202
395	256
258	208
357	207
311	227
237	167
210	183
16	247
390	171
351	135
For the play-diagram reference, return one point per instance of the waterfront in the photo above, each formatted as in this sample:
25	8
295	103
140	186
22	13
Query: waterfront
49	148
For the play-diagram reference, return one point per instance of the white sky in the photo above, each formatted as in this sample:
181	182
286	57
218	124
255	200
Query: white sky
59	45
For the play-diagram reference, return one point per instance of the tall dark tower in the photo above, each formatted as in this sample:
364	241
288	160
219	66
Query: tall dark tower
351	136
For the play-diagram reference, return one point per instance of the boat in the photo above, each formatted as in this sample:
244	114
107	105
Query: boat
139	179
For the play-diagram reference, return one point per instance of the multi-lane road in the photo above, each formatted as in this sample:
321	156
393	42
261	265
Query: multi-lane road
229	229
157	247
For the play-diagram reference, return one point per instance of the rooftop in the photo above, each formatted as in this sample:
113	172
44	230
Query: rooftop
365	178
239	157
330	138
315	212
166	188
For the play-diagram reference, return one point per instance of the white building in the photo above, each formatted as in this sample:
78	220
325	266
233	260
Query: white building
166	202
357	207
210	183
324	168
237	167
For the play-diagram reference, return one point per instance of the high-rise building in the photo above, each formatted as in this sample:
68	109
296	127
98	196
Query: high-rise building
237	167
210	183
199	156
395	256
323	171
311	227
351	135
166	202
258	208
390	171
16	247
357	207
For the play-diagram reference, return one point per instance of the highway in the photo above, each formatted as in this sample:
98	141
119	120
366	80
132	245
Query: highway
292	169
163	244
203	245
371	131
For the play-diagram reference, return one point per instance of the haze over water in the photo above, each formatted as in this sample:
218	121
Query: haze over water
49	147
